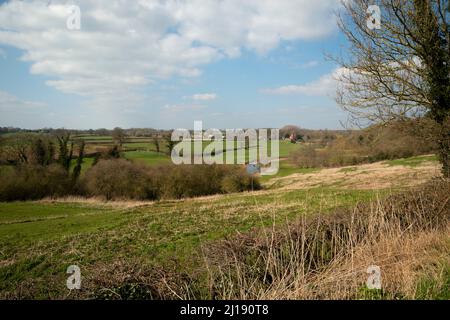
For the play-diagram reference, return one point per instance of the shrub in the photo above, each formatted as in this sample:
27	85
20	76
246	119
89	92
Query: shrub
239	181
31	182
119	179
123	179
199	180
188	181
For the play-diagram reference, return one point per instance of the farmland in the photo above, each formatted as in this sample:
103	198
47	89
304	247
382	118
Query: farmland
40	239
141	149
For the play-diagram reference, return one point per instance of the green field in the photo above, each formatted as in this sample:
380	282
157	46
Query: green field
88	138
147	144
413	161
148	157
142	145
40	239
145	152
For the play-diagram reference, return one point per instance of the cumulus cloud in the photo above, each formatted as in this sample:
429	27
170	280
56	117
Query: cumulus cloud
204	96
324	86
125	45
253	24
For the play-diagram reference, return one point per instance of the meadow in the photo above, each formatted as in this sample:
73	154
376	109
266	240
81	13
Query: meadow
173	247
165	240
143	150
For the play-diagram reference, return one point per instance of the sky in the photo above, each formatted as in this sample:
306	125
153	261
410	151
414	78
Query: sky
165	64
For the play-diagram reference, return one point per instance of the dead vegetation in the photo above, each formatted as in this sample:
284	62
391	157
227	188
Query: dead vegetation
327	256
373	176
324	255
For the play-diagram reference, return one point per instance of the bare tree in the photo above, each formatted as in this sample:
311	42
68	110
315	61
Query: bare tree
290	130
157	143
169	144
18	148
400	70
119	136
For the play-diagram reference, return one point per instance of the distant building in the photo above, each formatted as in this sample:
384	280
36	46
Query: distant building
293	137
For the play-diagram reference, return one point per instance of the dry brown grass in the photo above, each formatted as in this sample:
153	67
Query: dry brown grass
327	256
130	280
368	176
99	202
403	259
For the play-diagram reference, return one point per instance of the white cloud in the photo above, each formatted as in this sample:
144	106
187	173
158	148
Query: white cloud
182	107
324	86
124	45
204	96
254	24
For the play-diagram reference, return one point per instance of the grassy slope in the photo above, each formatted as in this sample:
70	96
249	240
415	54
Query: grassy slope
40	239
413	161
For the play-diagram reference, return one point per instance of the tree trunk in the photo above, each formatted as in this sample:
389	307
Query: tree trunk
444	149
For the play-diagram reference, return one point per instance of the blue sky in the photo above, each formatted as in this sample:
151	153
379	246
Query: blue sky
164	64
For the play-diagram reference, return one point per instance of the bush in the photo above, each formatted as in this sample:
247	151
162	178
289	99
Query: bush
119	179
31	182
199	180
122	179
187	181
239	181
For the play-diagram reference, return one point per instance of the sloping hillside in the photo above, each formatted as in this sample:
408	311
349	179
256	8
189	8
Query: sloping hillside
110	240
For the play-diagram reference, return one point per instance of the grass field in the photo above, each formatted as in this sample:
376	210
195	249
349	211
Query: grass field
88	138
413	161
287	169
41	239
143	150
148	157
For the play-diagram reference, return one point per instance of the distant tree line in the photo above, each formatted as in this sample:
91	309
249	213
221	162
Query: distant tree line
134	132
